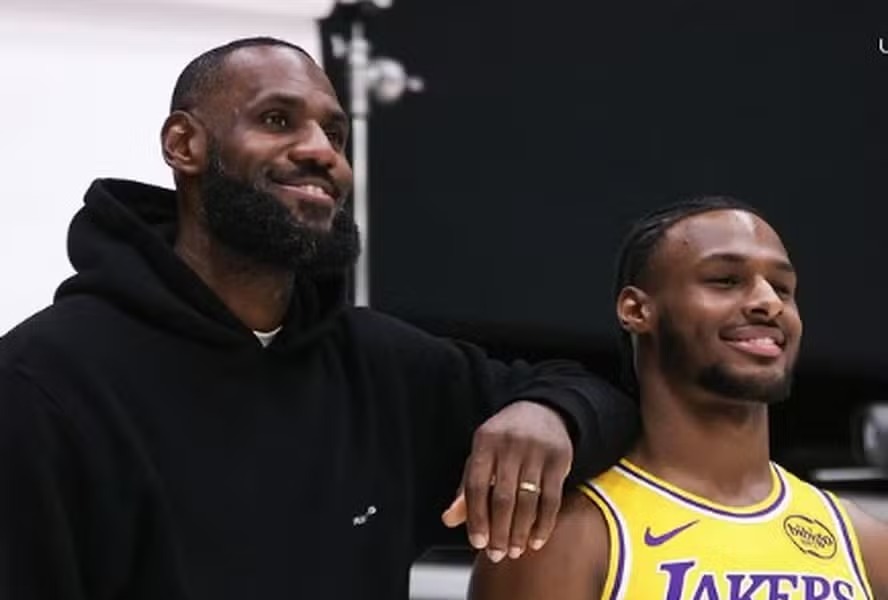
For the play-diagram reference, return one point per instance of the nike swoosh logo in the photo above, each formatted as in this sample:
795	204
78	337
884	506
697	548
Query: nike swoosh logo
656	540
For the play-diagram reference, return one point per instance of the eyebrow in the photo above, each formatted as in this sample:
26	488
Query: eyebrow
733	258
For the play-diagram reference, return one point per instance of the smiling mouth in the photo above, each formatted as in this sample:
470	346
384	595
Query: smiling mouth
310	203
765	347
312	193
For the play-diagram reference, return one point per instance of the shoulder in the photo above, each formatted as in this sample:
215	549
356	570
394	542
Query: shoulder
34	340
371	320
57	326
59	358
872	536
389	327
571	566
380	332
57	337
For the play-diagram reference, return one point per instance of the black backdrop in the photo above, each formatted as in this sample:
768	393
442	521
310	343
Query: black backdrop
499	195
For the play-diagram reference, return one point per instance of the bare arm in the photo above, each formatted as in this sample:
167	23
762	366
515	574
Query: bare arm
571	566
872	535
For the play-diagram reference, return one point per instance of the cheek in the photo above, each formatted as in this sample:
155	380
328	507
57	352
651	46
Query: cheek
343	173
240	166
794	327
795	318
702	312
717	309
700	326
251	150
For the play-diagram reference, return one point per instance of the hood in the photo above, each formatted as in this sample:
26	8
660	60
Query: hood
120	244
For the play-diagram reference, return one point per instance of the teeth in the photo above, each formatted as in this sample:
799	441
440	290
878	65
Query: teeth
314	190
765	341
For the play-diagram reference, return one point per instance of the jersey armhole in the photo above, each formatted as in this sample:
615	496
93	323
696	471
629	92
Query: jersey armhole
848	540
617	550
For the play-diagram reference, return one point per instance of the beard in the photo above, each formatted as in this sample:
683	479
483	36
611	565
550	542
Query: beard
717	378
254	224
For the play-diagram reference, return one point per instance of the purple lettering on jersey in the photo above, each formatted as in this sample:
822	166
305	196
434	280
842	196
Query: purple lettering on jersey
735	585
816	588
843	590
684	582
676	572
706	589
775	581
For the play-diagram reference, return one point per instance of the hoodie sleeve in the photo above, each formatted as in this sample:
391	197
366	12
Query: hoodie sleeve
38	505
468	387
66	519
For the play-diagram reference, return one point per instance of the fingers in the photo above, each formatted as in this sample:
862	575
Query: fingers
549	502
513	481
479	473
502	504
524	503
526	506
455	515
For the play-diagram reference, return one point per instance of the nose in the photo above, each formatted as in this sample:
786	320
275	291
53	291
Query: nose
764	301
314	146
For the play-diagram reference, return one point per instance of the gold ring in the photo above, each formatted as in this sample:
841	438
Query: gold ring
529	486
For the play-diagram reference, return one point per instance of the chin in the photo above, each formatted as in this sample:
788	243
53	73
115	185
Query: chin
767	386
325	227
318	221
774	372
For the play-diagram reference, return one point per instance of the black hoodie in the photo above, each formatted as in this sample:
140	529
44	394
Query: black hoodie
150	447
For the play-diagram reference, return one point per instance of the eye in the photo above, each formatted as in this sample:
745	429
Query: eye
723	281
276	120
336	135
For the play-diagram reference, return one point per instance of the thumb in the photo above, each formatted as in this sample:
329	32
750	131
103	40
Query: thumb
456	514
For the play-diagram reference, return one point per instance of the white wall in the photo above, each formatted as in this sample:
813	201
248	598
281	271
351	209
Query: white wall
84	88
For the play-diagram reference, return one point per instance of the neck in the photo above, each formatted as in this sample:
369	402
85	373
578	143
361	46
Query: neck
710	446
257	295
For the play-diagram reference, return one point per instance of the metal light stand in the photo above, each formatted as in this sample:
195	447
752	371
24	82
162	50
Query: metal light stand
386	80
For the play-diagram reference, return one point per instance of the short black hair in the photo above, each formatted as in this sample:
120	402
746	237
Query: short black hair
640	244
202	75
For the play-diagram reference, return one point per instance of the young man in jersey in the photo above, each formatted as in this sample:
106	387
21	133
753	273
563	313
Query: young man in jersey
706	298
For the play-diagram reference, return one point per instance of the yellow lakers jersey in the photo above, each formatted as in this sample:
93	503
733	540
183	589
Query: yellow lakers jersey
797	544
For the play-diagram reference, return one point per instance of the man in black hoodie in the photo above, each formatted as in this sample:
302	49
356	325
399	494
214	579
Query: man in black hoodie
200	415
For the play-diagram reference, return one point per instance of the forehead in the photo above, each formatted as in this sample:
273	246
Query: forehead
251	73
718	233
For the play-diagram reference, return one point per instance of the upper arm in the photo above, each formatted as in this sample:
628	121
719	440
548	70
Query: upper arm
37	523
79	517
571	566
872	535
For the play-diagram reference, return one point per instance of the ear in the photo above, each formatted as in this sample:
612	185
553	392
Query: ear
184	142
635	310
